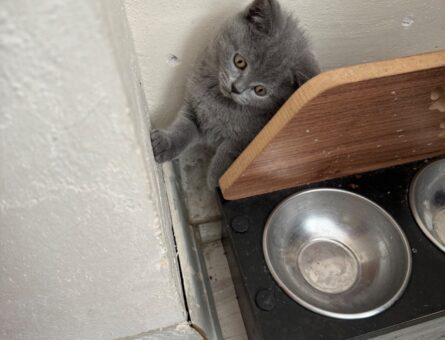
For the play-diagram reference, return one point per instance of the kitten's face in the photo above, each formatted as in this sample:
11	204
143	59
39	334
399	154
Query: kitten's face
252	58
242	79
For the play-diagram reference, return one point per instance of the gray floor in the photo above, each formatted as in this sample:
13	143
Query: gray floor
204	215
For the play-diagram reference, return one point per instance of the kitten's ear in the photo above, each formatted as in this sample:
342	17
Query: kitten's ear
263	15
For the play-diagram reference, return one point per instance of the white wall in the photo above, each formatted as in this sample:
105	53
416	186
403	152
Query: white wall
83	254
344	32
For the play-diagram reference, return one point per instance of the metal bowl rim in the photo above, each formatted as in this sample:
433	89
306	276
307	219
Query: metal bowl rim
346	316
414	209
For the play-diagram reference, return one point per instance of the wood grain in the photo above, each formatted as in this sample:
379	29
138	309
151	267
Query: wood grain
347	121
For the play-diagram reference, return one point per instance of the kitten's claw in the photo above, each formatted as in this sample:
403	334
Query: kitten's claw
162	146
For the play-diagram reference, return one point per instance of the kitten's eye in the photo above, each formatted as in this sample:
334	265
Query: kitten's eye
260	90
239	61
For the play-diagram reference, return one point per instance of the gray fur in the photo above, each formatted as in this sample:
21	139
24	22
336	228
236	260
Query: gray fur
278	58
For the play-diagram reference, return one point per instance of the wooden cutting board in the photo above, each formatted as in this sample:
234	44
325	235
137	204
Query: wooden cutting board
347	121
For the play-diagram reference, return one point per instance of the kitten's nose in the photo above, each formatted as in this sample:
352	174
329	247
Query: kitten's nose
235	90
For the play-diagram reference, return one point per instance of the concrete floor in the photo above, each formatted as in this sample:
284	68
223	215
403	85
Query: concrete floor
204	214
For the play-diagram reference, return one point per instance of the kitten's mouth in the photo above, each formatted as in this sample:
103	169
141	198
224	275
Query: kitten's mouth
229	94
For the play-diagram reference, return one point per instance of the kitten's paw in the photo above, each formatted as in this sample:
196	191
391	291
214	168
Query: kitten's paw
162	146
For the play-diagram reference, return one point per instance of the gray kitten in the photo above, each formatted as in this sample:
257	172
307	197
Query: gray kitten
259	58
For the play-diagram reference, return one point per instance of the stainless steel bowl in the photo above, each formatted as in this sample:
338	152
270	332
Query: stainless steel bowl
337	253
427	200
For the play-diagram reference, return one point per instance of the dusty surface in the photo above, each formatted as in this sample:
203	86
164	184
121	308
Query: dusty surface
223	292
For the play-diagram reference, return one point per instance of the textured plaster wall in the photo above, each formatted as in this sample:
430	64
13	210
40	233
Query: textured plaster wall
82	249
169	34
